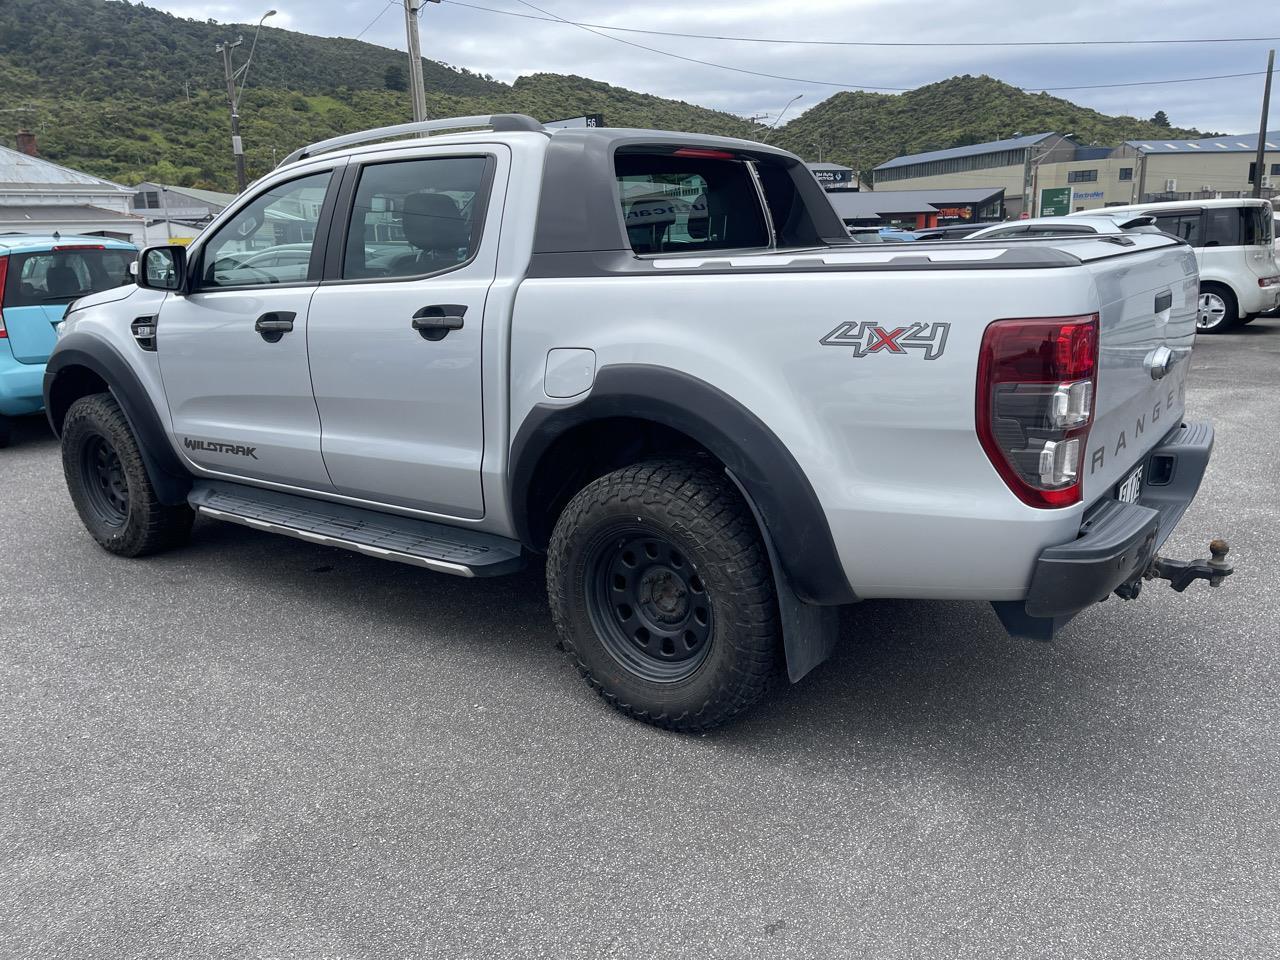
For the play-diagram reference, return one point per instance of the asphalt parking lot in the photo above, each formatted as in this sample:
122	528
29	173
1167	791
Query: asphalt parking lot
255	747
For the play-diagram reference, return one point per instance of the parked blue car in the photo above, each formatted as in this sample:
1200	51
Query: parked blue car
39	276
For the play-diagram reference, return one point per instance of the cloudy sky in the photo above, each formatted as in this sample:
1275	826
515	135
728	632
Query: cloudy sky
508	46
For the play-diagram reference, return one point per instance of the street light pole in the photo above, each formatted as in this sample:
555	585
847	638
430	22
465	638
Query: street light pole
237	145
773	126
417	86
233	99
1262	127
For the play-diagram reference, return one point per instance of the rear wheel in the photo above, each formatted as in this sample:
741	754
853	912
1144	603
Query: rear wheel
663	597
109	485
1219	311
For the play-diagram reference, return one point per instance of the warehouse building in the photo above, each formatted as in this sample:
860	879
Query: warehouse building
1078	177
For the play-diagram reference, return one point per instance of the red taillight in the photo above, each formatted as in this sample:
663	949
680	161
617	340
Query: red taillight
701	153
81	246
4	275
1036	385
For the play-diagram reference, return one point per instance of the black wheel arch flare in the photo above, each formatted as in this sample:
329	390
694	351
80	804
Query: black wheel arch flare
82	352
760	462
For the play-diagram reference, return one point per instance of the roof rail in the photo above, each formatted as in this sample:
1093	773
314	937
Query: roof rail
500	122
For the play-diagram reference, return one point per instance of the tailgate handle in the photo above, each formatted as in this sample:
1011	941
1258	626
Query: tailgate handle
1164	301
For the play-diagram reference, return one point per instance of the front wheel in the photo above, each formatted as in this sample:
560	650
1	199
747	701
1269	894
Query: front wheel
109	485
663	597
1219	311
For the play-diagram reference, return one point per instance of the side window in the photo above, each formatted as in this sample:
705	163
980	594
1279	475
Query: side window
1185	226
246	250
415	217
1223	226
689	200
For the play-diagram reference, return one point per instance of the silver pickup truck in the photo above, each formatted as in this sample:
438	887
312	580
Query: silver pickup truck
656	359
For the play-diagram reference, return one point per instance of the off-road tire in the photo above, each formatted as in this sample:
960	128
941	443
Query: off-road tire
1230	306
699	514
123	514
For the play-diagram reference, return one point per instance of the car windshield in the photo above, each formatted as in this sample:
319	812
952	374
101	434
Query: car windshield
63	274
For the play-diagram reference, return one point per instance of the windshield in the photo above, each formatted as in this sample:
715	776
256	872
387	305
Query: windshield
61	275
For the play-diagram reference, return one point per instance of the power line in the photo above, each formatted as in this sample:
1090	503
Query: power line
552	18
591	28
377	17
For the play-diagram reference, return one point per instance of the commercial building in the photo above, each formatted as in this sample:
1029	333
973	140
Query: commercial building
1062	175
918	208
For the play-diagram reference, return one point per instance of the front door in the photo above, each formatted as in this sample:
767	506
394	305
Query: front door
395	334
233	352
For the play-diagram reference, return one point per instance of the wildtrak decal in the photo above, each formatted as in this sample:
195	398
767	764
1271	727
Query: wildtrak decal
867	338
213	446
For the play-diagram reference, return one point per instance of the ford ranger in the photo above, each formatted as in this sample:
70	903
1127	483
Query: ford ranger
658	360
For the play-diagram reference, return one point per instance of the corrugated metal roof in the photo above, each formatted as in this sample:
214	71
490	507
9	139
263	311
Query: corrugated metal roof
17	167
972	150
205	196
1245	143
56	213
883	203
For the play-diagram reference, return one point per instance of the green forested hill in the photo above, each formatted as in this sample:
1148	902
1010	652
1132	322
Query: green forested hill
863	129
131	93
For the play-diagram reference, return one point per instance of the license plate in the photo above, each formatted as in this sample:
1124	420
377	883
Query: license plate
1130	487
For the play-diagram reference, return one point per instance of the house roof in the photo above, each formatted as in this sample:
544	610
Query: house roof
20	168
884	203
204	196
1245	143
972	150
56	213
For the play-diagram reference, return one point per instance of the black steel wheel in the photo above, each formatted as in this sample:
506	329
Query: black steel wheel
650	605
662	594
105	485
109	485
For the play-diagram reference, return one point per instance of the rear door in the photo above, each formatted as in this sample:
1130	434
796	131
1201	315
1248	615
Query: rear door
396	328
39	285
233	351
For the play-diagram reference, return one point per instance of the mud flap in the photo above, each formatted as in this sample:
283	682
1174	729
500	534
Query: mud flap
809	631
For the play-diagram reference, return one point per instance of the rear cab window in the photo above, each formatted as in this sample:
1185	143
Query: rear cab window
63	274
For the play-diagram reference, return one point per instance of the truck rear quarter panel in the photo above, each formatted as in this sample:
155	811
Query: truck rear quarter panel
886	438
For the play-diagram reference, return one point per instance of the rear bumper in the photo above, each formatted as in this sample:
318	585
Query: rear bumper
1117	541
21	384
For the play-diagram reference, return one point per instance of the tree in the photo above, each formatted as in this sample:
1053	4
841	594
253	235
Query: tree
1161	119
394	78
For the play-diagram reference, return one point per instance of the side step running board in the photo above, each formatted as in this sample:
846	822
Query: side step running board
435	546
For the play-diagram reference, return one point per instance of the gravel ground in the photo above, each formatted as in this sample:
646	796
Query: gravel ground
255	747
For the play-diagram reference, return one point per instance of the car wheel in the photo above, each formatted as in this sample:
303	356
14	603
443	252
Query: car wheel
663	597
109	485
1218	310
6	431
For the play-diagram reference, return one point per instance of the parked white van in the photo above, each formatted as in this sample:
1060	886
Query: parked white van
1233	240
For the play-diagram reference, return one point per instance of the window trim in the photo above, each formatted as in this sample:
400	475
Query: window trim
340	227
195	265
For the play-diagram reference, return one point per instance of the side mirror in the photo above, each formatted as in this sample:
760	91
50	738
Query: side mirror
163	268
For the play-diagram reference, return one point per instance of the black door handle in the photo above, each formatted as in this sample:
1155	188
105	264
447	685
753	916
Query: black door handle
273	326
435	322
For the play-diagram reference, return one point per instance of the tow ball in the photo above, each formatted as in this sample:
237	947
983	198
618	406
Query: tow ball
1182	573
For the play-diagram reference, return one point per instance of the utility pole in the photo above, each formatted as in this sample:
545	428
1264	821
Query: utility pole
1258	167
417	87
237	145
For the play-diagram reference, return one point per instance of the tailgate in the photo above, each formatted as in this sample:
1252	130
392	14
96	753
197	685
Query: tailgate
1147	328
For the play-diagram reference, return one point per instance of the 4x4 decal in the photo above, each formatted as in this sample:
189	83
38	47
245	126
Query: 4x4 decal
867	338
